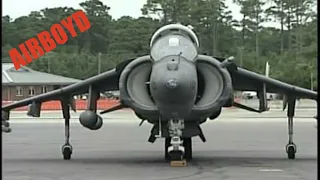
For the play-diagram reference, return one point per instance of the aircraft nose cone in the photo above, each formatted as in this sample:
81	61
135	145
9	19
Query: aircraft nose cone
174	90
172	83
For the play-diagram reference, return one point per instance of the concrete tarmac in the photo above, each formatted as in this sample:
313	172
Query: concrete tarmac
240	145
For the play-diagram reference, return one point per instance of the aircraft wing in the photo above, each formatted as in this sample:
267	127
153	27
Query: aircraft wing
106	81
103	82
246	80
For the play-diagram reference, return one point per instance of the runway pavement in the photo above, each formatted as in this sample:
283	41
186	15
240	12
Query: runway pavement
240	145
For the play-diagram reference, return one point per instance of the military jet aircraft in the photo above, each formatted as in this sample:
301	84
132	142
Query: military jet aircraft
174	88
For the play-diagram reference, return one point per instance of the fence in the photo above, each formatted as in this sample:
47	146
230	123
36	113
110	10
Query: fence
102	104
80	105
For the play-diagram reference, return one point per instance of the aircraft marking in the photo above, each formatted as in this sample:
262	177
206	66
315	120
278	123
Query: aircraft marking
32	50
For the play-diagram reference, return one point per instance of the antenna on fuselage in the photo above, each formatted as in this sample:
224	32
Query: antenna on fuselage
179	55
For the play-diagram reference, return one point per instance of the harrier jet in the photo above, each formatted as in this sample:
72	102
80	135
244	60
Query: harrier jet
174	88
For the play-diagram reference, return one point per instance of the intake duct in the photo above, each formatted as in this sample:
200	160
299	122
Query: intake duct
214	86
134	86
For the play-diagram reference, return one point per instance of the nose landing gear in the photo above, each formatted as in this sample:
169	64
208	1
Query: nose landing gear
177	148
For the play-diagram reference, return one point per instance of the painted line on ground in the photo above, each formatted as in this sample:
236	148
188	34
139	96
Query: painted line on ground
270	170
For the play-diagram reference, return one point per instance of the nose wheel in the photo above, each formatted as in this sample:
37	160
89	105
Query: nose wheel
176	154
173	149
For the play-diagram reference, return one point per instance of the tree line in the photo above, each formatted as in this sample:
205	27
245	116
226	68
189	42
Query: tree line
291	49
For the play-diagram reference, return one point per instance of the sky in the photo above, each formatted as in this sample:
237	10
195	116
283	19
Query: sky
118	7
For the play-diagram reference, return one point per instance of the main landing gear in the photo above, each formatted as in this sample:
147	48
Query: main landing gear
291	148
66	148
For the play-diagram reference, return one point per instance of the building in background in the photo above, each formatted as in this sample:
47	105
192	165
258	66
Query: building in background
25	82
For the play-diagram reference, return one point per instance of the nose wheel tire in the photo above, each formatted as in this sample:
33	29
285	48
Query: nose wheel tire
176	155
291	151
172	155
187	143
66	152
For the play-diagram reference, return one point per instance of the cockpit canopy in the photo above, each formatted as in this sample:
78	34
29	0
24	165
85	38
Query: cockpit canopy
174	40
175	28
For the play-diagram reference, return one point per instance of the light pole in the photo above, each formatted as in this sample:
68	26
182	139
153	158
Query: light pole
99	62
311	80
48	64
47	56
241	48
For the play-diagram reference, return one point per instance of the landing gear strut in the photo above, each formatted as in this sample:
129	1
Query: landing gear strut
291	148
66	148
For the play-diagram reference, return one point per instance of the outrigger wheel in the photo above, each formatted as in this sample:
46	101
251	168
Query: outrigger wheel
66	151
291	150
66	148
